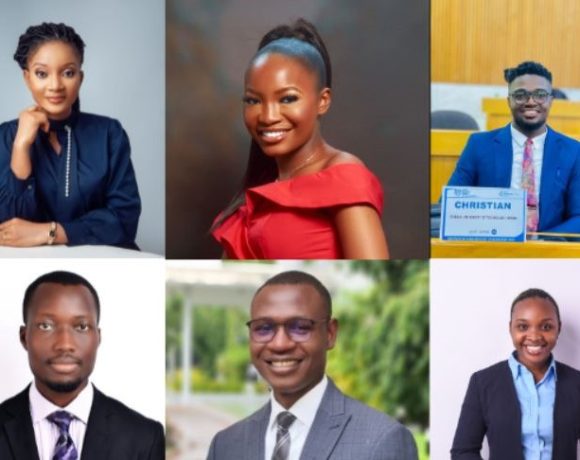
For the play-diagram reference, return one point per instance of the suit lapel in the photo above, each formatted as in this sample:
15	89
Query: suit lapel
95	446
550	162
255	444
503	157
328	425
19	430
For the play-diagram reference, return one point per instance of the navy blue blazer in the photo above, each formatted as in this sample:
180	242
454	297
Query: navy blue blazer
114	432
89	188
486	161
491	409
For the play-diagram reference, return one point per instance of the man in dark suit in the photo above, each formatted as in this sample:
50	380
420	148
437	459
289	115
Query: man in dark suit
60	416
307	417
528	154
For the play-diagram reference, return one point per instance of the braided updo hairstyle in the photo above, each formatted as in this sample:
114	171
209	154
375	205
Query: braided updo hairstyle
36	36
301	41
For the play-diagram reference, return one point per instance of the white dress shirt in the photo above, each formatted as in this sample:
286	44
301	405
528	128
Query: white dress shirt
518	143
304	410
46	433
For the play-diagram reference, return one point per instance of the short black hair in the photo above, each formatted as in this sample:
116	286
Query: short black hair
59	277
296	277
527	68
533	293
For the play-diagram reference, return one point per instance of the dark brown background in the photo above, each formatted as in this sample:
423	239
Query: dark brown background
380	110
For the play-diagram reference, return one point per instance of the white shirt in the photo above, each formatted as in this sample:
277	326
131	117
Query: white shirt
304	410
46	432
518	144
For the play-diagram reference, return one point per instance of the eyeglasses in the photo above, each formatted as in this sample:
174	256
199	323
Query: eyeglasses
263	330
521	96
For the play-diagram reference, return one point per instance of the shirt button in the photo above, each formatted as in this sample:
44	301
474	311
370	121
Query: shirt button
29	187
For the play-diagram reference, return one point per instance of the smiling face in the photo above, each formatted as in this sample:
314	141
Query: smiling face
534	328
61	337
54	78
530	117
292	368
282	103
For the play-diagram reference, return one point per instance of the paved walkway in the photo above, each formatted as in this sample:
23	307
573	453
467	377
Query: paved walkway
192	426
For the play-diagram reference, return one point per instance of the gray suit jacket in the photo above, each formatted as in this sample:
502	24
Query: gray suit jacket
343	429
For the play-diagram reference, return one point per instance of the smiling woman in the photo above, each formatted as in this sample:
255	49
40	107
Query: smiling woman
65	176
528	406
301	197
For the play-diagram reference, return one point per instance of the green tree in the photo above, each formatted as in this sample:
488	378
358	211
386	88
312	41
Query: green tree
382	354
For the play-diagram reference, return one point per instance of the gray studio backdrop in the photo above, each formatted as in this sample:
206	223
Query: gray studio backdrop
380	110
124	79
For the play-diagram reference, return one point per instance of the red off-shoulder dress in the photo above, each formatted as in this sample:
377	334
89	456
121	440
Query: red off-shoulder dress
293	219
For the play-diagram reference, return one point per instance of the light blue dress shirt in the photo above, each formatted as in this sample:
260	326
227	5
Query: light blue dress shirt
537	408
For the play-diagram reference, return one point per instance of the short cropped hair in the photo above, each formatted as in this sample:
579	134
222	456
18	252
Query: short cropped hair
296	277
536	293
527	68
63	278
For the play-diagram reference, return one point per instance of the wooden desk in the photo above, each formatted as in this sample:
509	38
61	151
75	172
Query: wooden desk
488	249
564	115
446	147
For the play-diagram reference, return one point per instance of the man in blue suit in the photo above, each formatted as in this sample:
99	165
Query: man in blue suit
496	158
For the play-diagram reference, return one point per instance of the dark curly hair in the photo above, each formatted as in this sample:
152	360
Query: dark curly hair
527	68
299	40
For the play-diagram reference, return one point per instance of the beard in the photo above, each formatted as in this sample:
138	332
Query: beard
63	387
526	127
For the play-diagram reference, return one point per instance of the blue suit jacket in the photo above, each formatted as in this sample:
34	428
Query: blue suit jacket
486	161
491	409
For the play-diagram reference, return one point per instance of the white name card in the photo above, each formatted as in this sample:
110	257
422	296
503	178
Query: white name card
483	213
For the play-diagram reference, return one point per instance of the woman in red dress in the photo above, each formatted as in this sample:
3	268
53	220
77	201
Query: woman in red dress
301	198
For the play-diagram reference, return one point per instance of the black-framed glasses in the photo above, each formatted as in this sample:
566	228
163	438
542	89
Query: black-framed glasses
263	330
521	96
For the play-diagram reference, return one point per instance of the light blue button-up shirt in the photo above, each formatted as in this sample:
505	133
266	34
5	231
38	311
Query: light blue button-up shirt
537	408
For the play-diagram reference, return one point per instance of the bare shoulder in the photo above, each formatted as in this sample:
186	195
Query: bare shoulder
339	157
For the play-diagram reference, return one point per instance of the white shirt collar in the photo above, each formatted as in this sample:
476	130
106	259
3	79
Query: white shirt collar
520	138
304	409
80	407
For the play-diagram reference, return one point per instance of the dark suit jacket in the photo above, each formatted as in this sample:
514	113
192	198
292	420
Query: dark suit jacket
114	432
491	408
343	429
486	161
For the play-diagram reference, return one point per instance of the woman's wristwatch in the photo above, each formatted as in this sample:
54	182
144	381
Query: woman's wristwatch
51	233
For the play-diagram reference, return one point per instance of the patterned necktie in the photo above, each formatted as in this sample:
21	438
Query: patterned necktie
65	448
529	184
282	449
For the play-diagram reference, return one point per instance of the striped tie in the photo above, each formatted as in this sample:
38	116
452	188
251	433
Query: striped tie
282	449
65	448
529	184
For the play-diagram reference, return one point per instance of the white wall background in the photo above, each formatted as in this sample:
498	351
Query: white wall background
124	79
131	358
469	315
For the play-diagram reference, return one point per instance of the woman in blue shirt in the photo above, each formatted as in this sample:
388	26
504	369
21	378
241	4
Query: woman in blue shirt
527	407
65	176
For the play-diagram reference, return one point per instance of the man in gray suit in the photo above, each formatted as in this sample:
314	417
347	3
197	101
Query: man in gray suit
307	417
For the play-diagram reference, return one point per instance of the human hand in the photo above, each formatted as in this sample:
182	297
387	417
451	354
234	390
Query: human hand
23	233
29	122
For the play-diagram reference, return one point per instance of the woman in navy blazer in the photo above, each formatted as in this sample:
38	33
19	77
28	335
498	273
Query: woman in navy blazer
65	176
493	409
